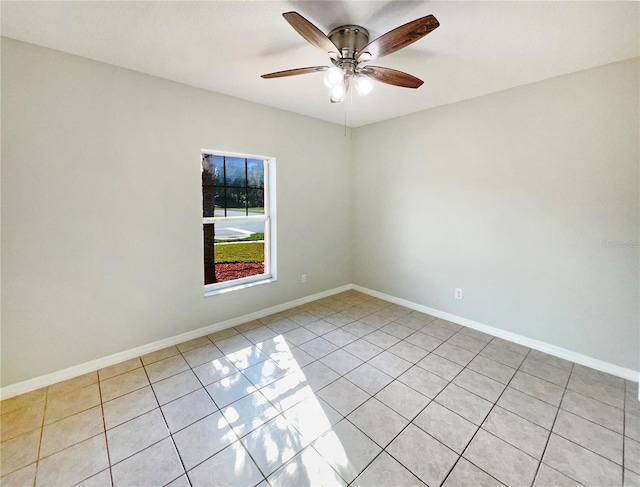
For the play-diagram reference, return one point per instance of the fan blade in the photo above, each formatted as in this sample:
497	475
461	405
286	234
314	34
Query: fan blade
310	32
294	72
400	37
392	77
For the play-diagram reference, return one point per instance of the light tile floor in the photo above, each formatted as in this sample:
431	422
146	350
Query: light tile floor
347	390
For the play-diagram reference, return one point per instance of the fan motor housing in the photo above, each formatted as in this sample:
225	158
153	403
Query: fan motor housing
349	39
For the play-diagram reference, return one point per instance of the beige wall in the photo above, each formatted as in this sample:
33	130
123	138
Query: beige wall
510	197
101	207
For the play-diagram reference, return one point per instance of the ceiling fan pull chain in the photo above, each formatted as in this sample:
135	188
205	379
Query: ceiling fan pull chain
345	119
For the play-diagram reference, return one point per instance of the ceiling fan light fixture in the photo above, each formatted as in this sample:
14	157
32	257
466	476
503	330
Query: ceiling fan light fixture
337	92
349	45
334	76
363	85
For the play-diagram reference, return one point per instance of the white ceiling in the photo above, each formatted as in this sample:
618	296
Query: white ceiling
224	46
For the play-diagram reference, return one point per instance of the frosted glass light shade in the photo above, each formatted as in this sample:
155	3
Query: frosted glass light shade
337	92
363	85
334	76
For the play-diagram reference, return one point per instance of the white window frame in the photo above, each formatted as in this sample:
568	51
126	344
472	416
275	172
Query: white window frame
269	218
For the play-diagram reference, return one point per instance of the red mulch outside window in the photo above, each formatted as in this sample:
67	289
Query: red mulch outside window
238	270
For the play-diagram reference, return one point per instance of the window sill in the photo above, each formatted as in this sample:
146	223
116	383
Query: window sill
214	292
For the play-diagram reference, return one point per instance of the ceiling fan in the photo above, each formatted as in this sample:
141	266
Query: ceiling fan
348	46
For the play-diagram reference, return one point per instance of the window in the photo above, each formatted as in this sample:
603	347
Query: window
237	217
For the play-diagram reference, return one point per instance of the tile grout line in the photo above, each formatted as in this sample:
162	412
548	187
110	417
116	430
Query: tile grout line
498	399
44	415
238	438
184	467
167	425
396	378
544	451
431	400
343	376
481	423
344	417
363	337
383	449
67	418
624	424
558	408
594	423
104	425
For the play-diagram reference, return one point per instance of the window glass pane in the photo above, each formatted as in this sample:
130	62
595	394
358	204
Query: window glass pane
233	184
218	170
236	172
236	201
255	173
256	201
212	176
219	202
238	249
240	230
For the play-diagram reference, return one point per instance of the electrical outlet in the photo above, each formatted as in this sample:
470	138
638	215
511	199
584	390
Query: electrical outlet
458	293
304	278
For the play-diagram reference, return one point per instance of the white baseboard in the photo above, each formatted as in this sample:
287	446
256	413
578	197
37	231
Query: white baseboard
71	372
560	352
